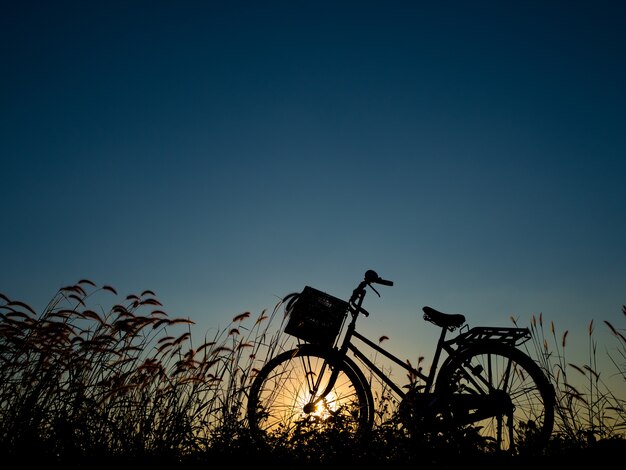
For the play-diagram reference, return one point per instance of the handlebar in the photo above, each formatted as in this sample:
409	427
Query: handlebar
356	300
371	277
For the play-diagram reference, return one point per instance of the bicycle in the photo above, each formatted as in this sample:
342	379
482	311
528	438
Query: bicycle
485	380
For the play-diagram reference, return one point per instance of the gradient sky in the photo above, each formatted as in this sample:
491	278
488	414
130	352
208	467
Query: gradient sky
226	153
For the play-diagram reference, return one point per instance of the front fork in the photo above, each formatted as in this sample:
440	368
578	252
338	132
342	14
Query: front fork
315	382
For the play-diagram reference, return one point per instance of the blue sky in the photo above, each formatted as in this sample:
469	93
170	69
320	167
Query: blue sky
224	154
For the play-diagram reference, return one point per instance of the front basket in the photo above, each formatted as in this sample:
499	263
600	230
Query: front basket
316	317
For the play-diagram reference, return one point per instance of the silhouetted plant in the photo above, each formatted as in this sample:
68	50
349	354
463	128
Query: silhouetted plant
587	409
123	380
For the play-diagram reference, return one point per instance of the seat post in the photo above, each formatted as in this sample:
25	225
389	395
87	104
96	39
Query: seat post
435	364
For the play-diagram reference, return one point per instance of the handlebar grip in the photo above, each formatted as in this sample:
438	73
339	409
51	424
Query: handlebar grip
384	282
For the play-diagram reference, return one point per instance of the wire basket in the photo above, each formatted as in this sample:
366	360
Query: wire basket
316	317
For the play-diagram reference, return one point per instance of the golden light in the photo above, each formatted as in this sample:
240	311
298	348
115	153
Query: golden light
323	409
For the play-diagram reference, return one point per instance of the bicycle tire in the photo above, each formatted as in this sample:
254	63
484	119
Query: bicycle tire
489	367
275	409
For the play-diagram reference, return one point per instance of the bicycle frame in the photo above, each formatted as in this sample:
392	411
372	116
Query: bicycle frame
450	347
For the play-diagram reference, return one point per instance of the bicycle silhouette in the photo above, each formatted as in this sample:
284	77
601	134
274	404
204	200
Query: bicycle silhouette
485	381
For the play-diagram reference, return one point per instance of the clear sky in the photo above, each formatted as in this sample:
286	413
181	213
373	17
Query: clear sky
226	153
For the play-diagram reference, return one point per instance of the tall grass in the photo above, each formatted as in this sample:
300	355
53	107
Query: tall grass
128	380
588	409
97	375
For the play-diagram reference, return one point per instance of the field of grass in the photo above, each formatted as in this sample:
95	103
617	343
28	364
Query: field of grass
96	377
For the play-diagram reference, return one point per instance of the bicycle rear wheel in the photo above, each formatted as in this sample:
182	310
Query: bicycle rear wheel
503	394
285	407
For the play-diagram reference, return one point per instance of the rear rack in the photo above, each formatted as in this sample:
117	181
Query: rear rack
513	336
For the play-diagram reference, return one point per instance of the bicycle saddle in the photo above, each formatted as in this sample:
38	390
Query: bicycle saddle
447	320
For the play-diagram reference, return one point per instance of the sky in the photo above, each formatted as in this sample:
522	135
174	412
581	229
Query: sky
224	154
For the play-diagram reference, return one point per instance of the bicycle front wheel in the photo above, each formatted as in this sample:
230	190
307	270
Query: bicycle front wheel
291	400
503	394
